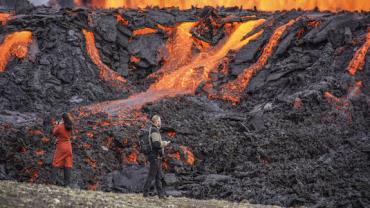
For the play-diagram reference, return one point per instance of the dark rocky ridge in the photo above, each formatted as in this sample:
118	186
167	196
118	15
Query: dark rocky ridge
263	150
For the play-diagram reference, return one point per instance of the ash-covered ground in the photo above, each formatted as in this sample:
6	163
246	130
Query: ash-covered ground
295	134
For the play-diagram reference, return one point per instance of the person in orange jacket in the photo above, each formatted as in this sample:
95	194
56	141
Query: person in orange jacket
63	152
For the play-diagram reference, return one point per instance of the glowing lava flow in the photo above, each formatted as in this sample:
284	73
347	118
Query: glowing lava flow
188	77
15	44
185	79
144	31
358	60
265	5
178	49
105	72
232	91
121	19
357	63
4	17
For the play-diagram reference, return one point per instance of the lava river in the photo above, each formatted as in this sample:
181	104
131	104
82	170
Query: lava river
186	78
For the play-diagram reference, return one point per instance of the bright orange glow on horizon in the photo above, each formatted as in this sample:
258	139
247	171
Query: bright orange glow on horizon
264	5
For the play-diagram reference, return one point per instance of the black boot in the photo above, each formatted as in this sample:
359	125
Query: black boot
54	174
164	184
67	176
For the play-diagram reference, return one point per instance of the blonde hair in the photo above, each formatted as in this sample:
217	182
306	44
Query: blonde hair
156	118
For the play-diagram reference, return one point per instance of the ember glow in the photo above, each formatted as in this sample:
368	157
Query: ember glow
343	104
91	162
188	155
355	90
232	91
14	45
358	60
106	73
131	158
265	5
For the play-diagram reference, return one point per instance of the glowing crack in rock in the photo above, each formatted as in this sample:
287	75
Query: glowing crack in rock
144	31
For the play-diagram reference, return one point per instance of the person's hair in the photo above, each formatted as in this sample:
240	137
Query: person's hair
68	124
155	118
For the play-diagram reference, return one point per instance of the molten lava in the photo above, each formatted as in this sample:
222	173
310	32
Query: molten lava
4	17
343	104
232	91
358	60
91	162
185	79
144	31
265	5
121	20
106	73
171	133
15	44
178	49
134	59
189	156
131	158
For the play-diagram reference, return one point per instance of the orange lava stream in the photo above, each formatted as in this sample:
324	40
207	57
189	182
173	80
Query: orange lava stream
144	31
358	60
232	90
178	49
105	72
265	5
4	17
15	44
186	78
121	19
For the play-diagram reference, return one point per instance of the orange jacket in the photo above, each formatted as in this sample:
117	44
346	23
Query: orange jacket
63	152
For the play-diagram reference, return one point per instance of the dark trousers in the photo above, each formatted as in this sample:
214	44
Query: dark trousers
67	175
155	173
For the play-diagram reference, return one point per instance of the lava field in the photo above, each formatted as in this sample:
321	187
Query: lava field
269	106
